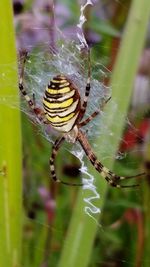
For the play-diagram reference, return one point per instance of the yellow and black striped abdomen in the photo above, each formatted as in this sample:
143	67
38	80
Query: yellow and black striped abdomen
61	103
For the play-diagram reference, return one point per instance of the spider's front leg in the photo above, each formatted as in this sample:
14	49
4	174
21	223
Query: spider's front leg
87	89
55	149
87	92
40	114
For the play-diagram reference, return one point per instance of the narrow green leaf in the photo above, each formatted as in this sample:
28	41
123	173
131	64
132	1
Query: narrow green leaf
10	145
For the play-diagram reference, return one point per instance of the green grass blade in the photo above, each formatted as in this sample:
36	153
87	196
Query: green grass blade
10	145
78	244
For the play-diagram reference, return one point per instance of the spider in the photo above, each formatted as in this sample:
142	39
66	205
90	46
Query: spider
64	111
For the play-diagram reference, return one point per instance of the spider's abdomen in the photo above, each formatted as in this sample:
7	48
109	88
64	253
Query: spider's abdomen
62	103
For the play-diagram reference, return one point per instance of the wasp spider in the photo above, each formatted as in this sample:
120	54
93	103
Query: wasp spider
64	111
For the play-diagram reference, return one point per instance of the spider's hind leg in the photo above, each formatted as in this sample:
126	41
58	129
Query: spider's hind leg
55	149
113	179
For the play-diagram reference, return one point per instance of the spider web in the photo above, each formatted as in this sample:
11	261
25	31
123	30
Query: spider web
45	70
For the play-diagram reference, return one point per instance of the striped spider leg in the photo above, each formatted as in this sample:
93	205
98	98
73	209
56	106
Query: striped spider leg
55	149
87	89
93	115
108	175
40	114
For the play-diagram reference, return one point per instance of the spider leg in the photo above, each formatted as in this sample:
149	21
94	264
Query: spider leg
87	89
55	149
93	115
34	99
40	114
108	175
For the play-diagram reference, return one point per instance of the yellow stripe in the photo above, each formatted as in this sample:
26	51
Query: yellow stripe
63	85
58	119
64	104
55	91
63	112
61	81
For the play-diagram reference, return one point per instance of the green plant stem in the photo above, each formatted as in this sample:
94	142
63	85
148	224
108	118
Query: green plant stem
10	145
82	230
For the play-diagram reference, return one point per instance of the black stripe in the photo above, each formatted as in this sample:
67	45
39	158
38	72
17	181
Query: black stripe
52	172
59	78
51	161
59	124
56	112
21	86
87	89
98	166
93	158
84	105
61	117
24	92
53	95
110	173
56	101
22	89
54	177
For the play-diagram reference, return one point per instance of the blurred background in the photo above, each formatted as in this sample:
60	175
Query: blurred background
122	237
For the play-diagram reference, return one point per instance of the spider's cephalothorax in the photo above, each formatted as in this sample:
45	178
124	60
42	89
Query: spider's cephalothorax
64	110
62	103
